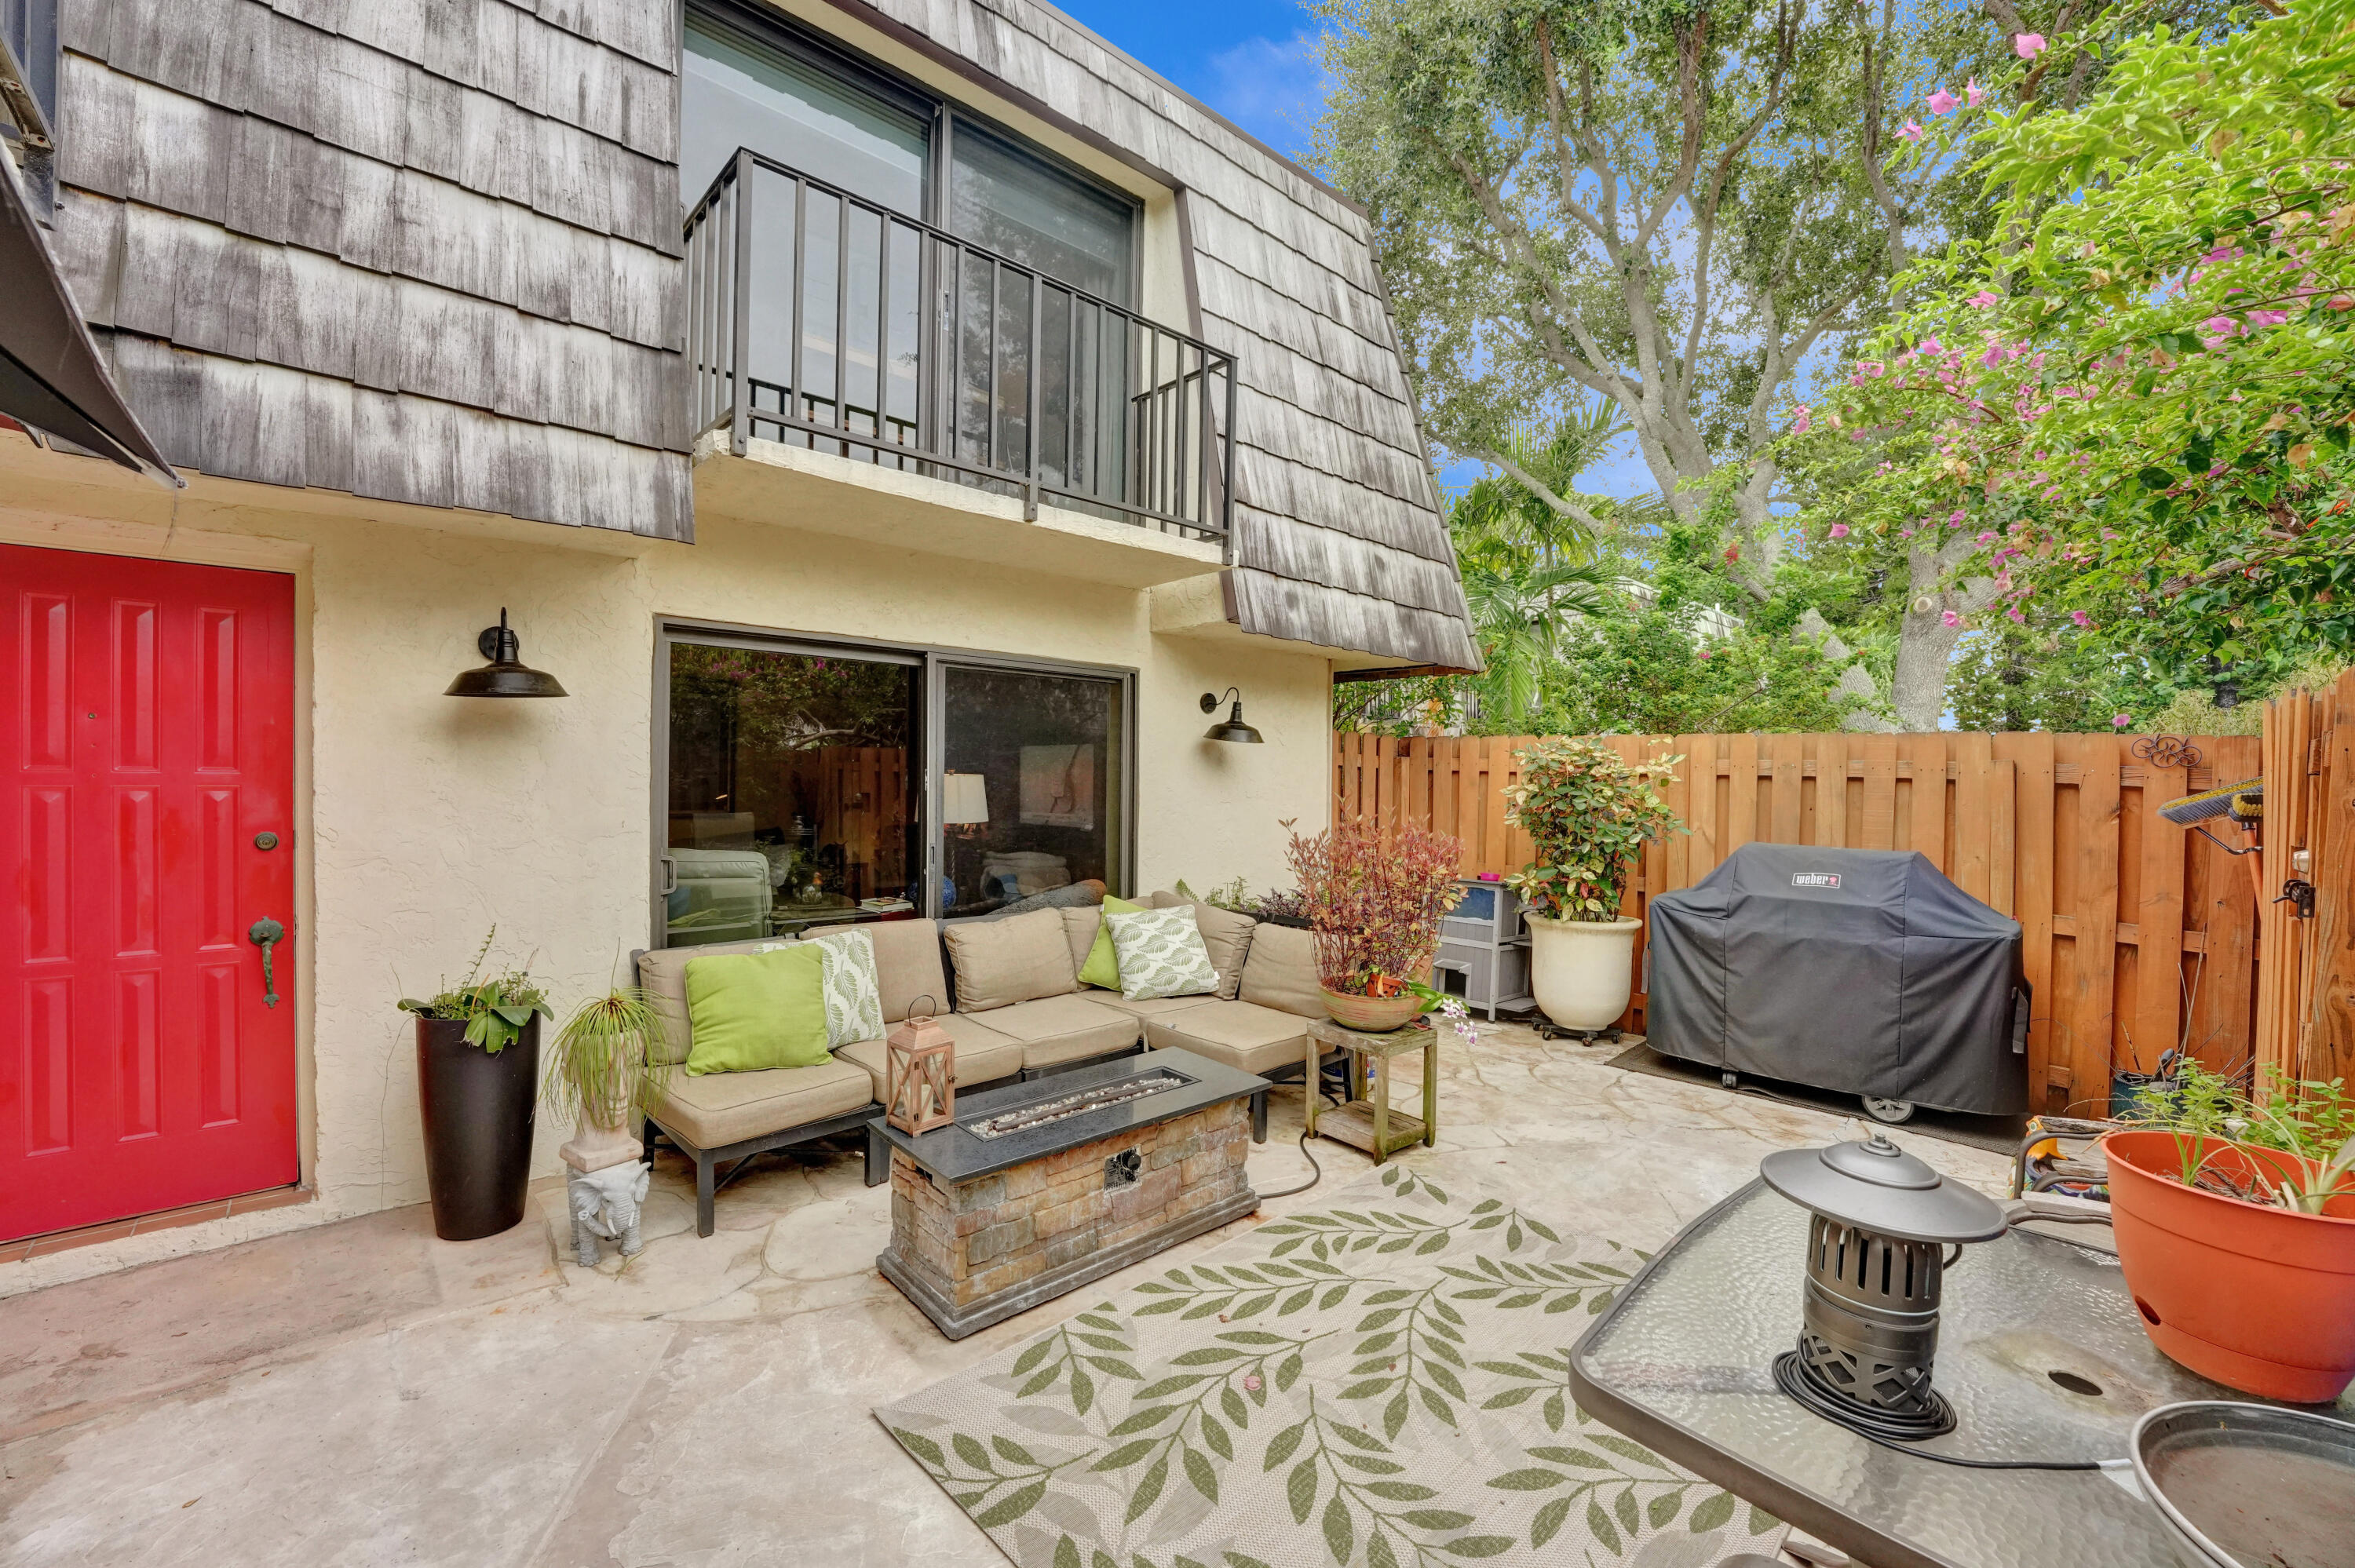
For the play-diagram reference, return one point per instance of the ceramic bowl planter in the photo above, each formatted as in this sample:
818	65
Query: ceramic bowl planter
2259	1299
1374	1015
478	1107
1582	971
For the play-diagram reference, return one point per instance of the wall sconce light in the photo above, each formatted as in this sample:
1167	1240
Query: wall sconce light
504	675
1232	727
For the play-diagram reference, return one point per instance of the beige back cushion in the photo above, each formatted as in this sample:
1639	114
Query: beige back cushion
1020	958
1080	924
908	965
1282	970
662	973
1229	936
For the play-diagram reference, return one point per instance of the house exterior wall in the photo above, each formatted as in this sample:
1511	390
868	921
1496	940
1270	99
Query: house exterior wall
430	818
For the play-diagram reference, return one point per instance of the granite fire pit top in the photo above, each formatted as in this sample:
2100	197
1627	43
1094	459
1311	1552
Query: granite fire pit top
957	1153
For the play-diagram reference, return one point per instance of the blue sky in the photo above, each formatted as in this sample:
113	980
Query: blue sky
1256	62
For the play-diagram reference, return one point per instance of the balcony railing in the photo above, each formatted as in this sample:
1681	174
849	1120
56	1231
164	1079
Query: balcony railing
825	321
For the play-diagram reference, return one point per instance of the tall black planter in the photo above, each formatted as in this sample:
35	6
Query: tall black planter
478	1113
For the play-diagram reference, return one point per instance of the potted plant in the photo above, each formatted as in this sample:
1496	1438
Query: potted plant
1373	901
603	1072
1588	812
477	1077
2235	1223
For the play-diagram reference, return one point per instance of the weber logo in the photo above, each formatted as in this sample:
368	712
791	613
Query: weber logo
1815	879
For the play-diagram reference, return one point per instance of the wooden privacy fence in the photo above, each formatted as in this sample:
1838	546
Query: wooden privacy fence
2140	936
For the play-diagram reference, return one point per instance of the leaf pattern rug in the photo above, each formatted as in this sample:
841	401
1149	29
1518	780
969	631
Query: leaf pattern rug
1380	1380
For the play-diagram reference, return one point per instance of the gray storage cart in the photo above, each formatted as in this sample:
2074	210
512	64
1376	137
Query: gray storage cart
1484	949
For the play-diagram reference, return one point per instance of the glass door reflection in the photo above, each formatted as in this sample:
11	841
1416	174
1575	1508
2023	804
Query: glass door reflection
1032	785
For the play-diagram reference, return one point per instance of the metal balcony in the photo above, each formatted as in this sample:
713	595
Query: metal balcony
855	330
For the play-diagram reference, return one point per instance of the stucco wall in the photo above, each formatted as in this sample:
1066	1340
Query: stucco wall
428	818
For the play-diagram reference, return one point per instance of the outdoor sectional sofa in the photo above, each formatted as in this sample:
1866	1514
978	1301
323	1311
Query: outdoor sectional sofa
1019	1009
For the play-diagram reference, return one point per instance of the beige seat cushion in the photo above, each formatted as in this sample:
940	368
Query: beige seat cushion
1239	1033
908	965
1059	1029
1282	971
1020	958
1145	1006
721	1108
983	1055
662	973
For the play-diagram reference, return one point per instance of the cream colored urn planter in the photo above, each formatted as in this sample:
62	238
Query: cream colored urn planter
1582	971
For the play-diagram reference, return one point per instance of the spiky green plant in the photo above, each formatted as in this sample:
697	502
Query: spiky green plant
604	1065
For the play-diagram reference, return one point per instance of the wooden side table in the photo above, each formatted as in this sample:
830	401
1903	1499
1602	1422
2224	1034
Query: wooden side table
1368	1120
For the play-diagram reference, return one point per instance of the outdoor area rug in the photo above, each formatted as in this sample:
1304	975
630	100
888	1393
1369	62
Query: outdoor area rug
2001	1134
1378	1381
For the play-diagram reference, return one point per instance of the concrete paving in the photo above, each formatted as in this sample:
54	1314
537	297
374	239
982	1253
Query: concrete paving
360	1393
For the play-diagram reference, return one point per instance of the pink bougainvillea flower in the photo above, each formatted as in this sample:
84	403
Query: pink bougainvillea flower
1870	367
1943	102
1910	131
1840	530
2027	46
2267	318
1956	515
1986	536
1930	346
2014	615
1800	419
2224	325
1981	300
1973	93
2120	721
1951	619
1705	654
2080	618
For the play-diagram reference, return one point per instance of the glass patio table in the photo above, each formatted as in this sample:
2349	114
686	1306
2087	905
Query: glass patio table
2039	1350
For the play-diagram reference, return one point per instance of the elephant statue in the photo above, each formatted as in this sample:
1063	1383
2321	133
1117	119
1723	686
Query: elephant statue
605	1205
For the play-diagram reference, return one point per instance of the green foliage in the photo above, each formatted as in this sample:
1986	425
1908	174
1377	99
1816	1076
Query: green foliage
603	1062
2040	674
2132	397
1651	672
2207	1110
1588	812
496	1007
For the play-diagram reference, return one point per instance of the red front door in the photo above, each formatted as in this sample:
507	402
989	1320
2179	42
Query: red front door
146	753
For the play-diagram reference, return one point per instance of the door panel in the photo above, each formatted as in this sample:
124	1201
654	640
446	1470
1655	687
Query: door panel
146	737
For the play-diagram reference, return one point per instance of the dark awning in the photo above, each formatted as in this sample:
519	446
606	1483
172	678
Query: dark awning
51	378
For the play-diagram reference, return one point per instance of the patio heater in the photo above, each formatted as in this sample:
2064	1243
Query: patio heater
1883	1230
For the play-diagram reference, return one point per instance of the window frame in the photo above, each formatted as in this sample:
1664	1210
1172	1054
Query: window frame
861	71
932	662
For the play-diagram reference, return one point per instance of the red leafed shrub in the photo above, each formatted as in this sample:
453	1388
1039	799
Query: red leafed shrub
1374	900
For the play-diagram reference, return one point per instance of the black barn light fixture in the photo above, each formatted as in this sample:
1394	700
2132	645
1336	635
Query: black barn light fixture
1231	728
505	675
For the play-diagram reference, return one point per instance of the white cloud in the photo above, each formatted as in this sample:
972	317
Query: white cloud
1274	89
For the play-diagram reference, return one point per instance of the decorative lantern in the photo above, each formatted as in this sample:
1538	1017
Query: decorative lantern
919	1072
1876	1256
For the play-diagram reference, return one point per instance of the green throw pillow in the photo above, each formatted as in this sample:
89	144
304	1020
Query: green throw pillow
754	1010
1103	968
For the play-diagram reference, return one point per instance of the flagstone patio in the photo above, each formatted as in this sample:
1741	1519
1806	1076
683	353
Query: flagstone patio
361	1393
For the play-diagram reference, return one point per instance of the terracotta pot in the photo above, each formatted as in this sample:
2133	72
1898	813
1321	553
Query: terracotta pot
1582	971
2258	1298
1374	1015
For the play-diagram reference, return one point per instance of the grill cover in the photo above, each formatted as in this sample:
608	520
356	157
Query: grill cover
1860	970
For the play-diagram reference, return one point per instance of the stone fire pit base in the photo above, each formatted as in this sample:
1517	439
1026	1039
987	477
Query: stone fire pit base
975	1253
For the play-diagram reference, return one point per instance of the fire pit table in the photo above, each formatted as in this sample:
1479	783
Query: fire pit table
1038	1187
2040	1353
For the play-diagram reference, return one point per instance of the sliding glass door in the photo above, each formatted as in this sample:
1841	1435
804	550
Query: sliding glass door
793	792
801	784
1034	784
